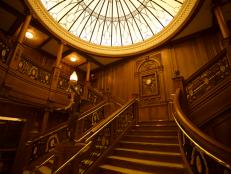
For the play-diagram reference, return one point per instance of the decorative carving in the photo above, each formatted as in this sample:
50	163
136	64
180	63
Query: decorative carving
26	67
149	85
4	52
63	82
93	118
208	79
45	144
148	70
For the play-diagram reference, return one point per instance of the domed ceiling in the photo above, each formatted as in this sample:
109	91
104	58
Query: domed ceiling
113	22
114	27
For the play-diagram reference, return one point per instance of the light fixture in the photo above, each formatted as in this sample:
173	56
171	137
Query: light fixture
73	78
73	59
29	35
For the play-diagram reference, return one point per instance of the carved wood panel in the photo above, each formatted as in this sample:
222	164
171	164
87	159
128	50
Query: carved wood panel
149	73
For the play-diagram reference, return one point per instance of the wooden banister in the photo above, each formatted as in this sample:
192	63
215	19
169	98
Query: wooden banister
219	152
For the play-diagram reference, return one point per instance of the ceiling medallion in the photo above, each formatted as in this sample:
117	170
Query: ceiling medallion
113	27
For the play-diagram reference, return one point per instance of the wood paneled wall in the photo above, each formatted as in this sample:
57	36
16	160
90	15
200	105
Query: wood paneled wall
189	55
185	56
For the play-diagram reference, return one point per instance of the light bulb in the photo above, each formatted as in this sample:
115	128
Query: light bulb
29	35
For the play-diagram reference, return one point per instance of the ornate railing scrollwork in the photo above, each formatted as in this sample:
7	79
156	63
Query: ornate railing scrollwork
63	82
4	51
204	154
46	143
92	117
209	76
26	67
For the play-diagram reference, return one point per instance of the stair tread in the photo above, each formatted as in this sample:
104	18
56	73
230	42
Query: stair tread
155	125
123	170
148	162
155	130
149	152
151	136
149	143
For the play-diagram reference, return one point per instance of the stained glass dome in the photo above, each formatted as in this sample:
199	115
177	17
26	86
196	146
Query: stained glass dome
113	22
113	27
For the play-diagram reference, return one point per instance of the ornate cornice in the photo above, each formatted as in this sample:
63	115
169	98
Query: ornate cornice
169	31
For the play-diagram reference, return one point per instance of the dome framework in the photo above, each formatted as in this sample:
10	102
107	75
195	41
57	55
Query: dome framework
113	28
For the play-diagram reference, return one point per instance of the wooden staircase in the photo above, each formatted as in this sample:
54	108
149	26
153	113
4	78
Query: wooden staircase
148	147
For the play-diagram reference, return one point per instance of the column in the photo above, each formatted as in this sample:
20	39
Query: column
45	120
88	72
16	55
87	82
56	71
221	22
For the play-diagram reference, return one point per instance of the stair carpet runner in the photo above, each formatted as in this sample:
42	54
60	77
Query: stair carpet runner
147	148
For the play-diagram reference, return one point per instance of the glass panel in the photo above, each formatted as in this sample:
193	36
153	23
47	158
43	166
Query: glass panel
113	22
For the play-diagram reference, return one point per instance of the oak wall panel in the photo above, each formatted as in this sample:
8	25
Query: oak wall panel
193	53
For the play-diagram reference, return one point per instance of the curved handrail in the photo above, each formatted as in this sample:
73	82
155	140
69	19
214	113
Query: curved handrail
207	144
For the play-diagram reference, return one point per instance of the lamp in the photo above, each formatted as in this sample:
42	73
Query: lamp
73	85
73	78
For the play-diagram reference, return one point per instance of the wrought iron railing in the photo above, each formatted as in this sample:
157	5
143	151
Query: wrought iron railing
203	153
90	118
46	143
101	137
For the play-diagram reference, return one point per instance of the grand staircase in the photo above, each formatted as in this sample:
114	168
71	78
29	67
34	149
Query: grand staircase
148	147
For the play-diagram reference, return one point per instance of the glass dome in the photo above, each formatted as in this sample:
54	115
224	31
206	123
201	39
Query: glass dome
113	22
113	28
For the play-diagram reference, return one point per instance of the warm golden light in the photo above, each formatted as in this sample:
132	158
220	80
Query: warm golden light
73	59
74	77
29	35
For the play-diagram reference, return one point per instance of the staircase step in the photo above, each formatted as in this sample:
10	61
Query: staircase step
154	127
157	122
151	138
168	147
109	169
148	154
153	132
145	165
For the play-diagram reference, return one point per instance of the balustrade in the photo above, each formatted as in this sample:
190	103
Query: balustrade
101	137
46	143
26	67
203	153
208	77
